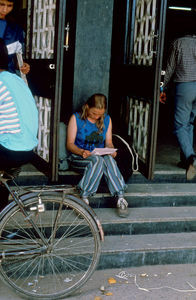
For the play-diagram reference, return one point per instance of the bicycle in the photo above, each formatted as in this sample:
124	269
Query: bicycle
50	241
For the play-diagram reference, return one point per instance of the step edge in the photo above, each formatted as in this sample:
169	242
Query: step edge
146	250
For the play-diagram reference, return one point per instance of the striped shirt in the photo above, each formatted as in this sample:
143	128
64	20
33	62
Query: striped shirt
9	121
181	64
18	114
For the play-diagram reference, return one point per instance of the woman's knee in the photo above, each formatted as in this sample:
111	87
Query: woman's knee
109	159
97	160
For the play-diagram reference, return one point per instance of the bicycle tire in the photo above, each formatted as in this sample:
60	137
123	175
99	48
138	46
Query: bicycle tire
74	248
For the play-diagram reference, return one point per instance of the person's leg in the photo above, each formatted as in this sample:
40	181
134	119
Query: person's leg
182	163
192	120
4	195
114	178
11	159
184	116
90	181
77	163
116	184
191	162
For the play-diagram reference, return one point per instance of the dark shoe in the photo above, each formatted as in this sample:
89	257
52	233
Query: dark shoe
122	208
182	164
191	170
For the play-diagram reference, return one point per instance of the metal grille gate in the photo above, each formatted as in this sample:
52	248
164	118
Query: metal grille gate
144	28
141	54
43	30
140	70
138	125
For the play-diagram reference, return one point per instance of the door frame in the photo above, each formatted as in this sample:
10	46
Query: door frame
158	69
59	47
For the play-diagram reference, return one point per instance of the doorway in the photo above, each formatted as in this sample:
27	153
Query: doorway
180	20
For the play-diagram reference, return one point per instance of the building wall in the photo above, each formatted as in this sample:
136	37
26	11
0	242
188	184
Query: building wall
93	49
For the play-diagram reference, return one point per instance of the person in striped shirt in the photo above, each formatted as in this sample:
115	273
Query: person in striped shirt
181	68
18	120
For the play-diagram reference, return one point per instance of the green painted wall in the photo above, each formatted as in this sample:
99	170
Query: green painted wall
93	49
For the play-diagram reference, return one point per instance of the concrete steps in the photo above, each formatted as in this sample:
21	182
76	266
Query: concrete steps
148	249
31	174
160	229
148	220
151	195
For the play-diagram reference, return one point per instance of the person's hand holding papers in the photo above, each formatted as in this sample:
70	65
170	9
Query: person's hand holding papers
103	151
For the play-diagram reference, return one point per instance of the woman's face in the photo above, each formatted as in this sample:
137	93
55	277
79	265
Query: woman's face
95	113
5	8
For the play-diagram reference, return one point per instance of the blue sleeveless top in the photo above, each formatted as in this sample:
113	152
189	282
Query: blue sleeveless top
87	136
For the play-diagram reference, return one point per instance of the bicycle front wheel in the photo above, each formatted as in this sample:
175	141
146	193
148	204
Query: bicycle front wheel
72	241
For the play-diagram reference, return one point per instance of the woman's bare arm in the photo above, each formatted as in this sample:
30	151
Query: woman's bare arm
108	139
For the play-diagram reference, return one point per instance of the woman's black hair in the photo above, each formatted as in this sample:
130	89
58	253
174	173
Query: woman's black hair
3	55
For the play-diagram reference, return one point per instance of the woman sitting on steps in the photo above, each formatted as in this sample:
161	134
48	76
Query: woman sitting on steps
87	130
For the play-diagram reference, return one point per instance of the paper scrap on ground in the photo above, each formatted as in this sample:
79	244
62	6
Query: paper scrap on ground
103	151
